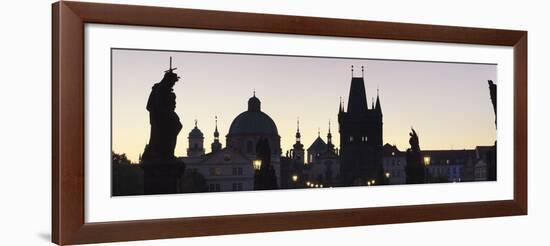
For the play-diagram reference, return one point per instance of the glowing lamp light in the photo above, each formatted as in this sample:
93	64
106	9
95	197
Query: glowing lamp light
427	160
308	183
373	181
257	164
369	183
388	175
321	186
294	178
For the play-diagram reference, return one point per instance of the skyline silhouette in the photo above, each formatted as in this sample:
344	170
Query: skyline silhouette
219	84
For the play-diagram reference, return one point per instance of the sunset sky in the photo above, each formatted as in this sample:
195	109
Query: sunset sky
448	104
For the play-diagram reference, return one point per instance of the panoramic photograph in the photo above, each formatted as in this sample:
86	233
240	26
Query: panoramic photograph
192	122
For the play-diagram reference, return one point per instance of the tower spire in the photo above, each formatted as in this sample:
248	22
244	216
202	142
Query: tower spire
329	138
378	108
216	133
216	145
298	135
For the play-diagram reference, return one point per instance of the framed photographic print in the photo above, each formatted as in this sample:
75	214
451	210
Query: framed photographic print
175	122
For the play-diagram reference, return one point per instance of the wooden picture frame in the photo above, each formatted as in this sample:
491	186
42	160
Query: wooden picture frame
68	110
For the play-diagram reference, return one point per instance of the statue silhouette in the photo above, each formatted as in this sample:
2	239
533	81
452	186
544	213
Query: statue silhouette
493	94
415	169
265	178
491	158
162	170
165	123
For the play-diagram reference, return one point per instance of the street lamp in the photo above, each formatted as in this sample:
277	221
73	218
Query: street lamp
368	183
387	175
257	164
427	160
294	177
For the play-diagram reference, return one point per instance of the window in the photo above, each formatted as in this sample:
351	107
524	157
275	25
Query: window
237	171
351	138
214	187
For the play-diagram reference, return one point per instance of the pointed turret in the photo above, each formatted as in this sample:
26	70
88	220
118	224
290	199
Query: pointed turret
298	144
378	108
357	102
216	145
298	147
329	139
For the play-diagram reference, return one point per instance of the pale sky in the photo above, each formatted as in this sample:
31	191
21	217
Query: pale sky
448	104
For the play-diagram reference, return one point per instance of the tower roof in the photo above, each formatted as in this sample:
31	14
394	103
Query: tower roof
254	103
216	133
318	145
378	108
196	132
357	101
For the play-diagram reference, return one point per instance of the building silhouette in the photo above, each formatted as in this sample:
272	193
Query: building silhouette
360	129
252	158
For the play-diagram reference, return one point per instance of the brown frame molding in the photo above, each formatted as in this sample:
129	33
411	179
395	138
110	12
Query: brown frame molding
68	19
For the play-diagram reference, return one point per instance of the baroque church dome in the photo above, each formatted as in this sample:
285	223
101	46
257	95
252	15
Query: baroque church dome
253	121
196	132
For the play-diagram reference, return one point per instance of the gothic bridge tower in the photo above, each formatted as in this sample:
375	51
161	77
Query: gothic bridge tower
361	139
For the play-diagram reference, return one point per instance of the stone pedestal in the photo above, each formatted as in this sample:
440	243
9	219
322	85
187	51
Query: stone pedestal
162	177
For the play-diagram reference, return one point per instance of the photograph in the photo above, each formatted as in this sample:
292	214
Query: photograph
193	121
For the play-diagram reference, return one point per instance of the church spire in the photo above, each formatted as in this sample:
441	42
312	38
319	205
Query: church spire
378	108
216	133
329	135
298	146
329	138
298	135
216	145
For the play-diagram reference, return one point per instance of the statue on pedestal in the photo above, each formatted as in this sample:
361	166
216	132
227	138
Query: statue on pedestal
415	169
162	170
